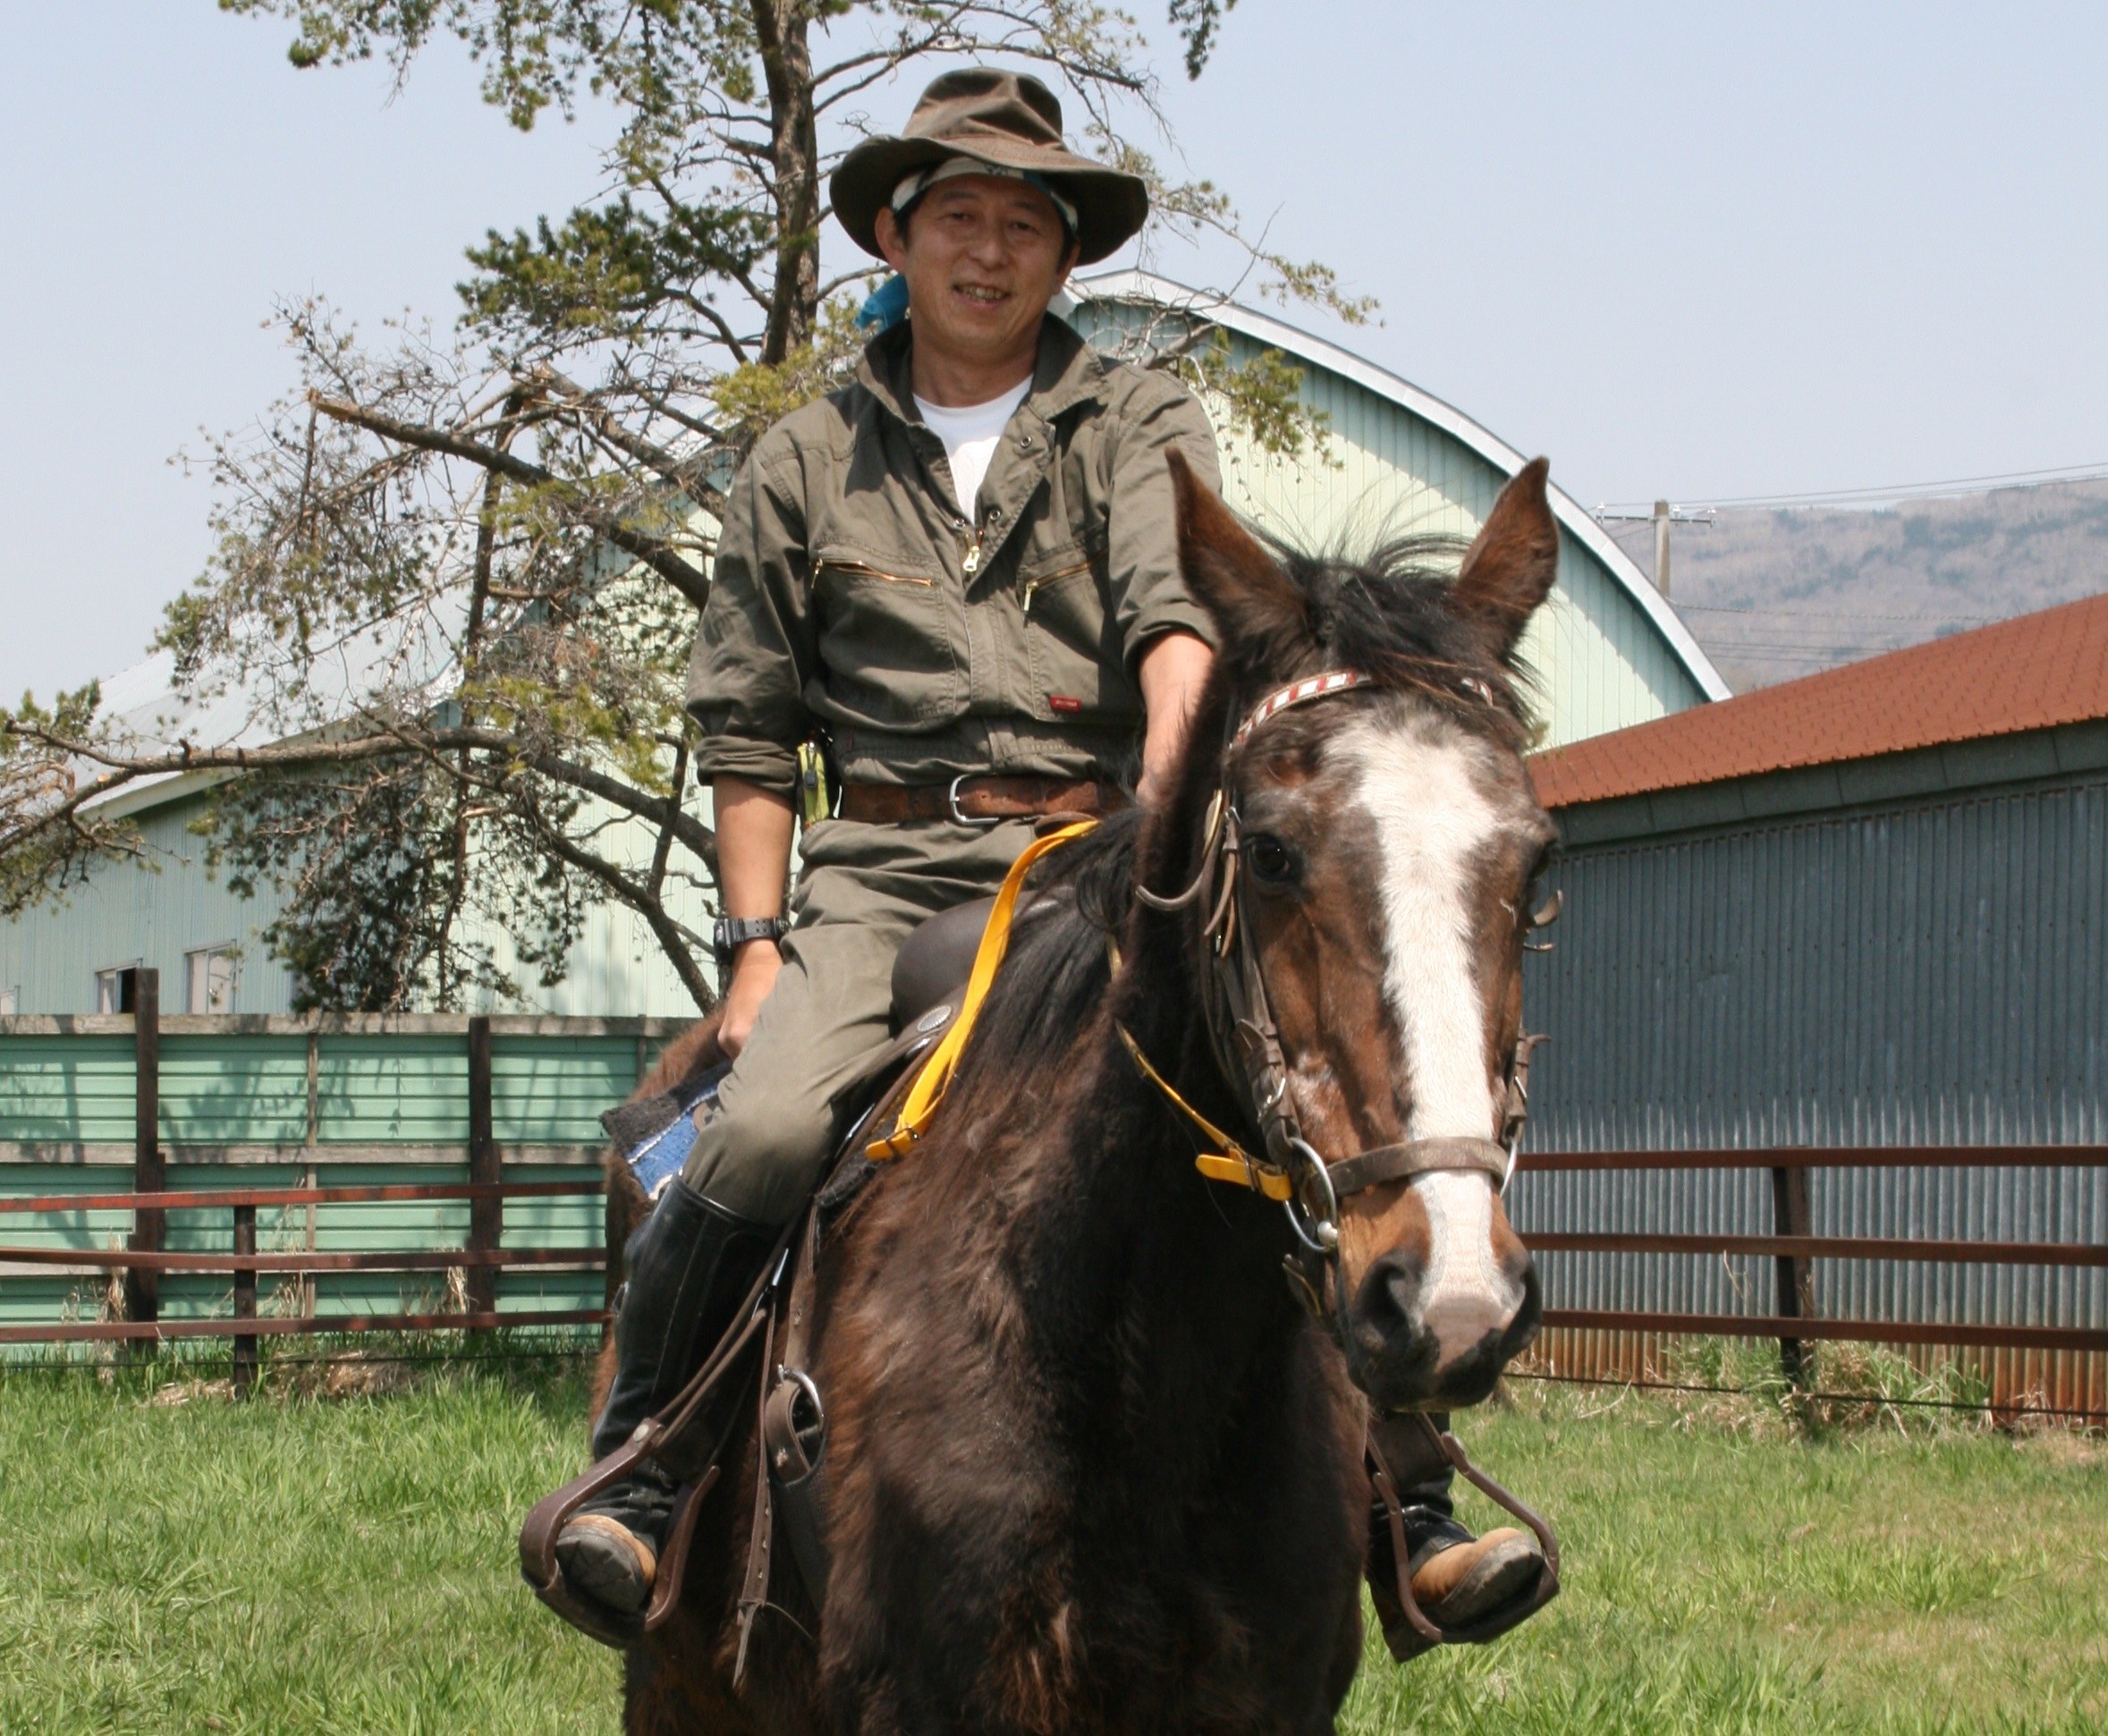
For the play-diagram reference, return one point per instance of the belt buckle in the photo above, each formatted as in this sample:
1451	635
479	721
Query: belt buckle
952	803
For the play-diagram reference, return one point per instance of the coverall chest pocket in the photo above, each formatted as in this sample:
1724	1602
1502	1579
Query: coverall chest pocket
886	642
1074	639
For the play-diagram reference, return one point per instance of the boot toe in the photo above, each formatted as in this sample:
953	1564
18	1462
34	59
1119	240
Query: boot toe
607	1562
1470	1580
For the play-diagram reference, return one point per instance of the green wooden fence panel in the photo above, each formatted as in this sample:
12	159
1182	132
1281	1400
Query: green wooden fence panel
233	1091
66	1089
250	1090
82	1230
551	1090
376	1088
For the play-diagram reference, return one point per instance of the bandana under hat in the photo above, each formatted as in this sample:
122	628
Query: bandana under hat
913	186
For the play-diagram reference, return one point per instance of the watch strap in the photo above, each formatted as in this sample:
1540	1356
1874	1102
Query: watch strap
732	932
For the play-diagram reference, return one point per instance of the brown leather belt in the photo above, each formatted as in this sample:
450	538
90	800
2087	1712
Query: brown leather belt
981	801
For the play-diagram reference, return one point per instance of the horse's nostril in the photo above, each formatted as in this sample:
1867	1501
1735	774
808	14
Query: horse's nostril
1390	1295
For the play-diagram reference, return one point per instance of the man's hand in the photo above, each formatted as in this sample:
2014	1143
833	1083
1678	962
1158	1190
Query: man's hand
1173	668
754	968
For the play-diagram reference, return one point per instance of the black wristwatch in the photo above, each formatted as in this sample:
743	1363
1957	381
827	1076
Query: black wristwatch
730	932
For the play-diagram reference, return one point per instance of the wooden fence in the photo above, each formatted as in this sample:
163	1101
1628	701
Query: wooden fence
391	1147
2059	1365
393	1157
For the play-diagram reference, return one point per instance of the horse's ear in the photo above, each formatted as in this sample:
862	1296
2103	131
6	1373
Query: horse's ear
1260	612
1511	563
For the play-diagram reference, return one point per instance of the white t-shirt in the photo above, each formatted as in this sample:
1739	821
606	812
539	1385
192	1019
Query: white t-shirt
969	433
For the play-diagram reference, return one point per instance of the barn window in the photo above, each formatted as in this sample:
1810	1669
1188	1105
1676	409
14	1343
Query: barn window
116	988
208	979
11	1001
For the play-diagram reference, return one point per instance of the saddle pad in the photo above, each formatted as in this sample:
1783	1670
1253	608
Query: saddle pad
655	1136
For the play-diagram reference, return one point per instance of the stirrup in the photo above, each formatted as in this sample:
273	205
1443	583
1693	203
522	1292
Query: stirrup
1513	1614
545	1524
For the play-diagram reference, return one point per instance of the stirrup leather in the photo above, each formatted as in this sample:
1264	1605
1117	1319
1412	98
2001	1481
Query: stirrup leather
656	1439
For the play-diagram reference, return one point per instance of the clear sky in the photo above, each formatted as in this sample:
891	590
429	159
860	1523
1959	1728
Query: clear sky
1692	250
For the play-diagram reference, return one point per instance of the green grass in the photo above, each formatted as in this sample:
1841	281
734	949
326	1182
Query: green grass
345	1564
286	1565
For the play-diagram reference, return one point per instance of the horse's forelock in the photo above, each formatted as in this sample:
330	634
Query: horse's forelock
1390	615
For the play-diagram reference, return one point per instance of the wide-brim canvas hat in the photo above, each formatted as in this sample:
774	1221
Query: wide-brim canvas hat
1010	120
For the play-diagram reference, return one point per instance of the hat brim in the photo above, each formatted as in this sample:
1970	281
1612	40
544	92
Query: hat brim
1111	205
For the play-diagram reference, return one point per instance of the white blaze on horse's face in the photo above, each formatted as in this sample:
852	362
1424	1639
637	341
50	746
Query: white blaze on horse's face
1446	810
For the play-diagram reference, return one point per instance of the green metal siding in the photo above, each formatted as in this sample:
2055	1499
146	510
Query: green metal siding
65	1089
1600	663
66	1125
232	1090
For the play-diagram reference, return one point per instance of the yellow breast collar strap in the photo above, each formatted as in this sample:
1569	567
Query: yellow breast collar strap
1233	1164
928	1089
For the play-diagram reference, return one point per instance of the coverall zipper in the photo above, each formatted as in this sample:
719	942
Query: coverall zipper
1032	585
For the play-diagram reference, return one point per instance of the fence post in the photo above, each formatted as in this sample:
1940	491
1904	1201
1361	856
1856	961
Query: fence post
1791	1215
142	1285
244	1300
486	1217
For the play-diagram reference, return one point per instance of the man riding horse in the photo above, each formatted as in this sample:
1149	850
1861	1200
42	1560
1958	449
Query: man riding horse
961	573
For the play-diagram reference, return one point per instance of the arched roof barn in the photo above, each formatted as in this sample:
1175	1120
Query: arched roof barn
1609	651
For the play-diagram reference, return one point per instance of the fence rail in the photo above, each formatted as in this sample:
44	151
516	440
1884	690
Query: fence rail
350	1093
1796	1319
483	1255
494	1104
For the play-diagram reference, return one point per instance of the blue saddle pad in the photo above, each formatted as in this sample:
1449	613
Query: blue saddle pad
660	1154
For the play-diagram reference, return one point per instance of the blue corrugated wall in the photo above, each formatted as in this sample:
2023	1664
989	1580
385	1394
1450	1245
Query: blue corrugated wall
1927	972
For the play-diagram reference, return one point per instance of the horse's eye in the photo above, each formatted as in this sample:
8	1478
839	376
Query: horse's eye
1271	862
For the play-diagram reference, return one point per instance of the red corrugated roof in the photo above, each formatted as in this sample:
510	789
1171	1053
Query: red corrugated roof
2031	672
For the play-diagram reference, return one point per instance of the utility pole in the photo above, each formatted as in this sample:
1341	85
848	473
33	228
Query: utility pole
1662	517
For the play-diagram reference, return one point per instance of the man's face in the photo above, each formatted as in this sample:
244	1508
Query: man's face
983	256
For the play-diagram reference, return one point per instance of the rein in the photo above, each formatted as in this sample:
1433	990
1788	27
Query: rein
1246	1043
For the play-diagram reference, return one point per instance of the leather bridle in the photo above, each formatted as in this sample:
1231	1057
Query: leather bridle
1239	1017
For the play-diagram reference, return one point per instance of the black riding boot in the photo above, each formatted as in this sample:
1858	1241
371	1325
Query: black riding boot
690	1267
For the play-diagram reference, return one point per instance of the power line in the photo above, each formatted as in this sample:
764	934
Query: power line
1824	615
1898	491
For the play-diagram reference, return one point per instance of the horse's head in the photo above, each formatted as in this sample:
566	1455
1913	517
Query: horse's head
1386	843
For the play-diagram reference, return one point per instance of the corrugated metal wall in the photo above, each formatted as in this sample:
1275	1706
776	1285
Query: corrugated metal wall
1923	973
66	1108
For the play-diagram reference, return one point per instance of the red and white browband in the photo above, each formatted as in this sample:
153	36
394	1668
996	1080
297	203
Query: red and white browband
1333	681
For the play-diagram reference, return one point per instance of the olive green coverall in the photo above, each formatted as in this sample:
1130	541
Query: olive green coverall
851	597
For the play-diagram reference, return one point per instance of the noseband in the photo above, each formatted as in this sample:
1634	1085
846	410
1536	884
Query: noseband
1246	1043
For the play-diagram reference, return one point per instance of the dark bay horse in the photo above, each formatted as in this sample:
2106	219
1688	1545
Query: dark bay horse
1091	1464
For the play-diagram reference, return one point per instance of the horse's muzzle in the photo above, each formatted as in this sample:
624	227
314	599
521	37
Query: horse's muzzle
1410	1349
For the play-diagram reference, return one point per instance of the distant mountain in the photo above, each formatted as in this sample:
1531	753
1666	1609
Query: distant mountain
1776	594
